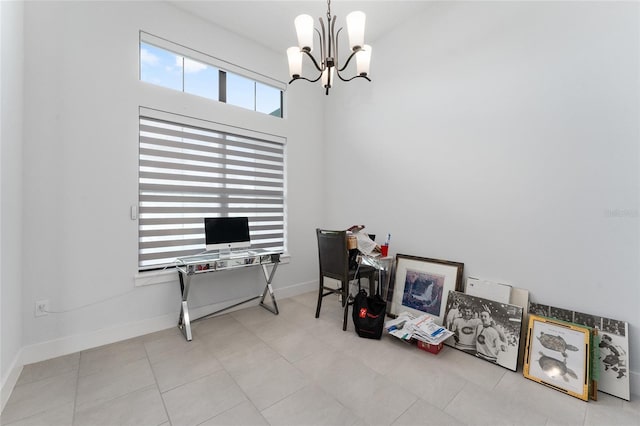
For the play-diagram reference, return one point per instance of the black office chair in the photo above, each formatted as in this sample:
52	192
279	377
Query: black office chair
333	256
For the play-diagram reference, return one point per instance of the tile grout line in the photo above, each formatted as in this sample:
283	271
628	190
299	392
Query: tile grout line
75	396
155	379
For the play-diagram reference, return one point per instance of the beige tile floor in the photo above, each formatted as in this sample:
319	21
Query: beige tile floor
251	367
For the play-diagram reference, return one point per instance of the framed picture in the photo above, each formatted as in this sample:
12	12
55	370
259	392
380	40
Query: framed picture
487	329
557	356
612	356
420	284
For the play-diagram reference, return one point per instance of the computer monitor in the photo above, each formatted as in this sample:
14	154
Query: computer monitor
224	233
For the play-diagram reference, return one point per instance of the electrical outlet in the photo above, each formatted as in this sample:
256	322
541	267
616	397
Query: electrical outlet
42	308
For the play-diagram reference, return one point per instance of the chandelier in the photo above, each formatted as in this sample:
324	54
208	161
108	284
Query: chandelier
328	64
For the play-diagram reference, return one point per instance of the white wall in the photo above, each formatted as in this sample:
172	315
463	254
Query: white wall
82	95
11	119
504	136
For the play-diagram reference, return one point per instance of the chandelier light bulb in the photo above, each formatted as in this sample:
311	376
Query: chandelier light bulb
295	61
355	27
304	30
327	77
363	60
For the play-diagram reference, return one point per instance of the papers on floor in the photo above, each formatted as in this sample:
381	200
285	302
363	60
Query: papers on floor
424	328
395	327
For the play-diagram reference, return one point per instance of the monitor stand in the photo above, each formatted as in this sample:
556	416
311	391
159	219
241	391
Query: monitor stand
224	253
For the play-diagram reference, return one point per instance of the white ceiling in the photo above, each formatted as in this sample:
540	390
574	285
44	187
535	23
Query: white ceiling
270	23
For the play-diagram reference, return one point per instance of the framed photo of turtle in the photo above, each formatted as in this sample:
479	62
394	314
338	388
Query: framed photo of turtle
421	285
557	356
613	347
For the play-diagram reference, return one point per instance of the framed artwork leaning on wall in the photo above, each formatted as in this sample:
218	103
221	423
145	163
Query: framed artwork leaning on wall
421	285
487	329
558	356
613	347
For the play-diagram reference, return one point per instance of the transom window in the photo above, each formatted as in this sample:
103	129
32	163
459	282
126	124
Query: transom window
178	68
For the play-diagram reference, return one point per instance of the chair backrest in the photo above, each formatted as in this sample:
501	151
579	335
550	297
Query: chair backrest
333	254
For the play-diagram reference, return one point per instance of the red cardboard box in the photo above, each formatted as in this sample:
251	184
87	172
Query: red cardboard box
434	349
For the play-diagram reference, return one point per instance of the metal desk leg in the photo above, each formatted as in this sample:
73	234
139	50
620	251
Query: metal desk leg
269	277
184	324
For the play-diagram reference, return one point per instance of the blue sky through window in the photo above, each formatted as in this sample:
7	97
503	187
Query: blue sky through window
200	79
161	67
167	69
268	100
240	91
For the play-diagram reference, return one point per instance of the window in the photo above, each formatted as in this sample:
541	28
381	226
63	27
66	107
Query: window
201	75
189	171
160	67
201	79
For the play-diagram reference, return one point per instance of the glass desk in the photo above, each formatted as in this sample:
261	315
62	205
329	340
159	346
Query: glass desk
203	263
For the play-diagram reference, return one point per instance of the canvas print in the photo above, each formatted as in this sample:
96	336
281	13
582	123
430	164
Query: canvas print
484	328
557	356
613	348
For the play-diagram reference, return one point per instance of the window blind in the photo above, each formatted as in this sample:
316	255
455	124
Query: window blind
187	173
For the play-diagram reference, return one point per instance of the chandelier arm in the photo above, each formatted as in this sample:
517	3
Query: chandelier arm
323	53
315	63
346	64
335	43
333	46
305	78
355	76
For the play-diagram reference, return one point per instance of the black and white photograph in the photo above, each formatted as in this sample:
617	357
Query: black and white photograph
484	328
613	358
557	356
592	321
539	309
561	314
614	326
613	354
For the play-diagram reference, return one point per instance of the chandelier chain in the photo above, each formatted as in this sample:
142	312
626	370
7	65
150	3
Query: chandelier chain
328	10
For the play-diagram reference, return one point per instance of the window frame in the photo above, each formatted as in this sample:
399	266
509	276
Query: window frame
221	65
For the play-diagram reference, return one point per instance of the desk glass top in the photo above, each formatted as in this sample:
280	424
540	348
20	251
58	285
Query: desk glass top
214	260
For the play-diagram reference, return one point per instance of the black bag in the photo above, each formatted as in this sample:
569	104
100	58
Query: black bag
368	315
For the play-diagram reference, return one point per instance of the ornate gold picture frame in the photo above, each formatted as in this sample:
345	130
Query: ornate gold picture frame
557	355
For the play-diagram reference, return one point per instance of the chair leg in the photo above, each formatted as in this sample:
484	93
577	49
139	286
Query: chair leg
320	291
346	315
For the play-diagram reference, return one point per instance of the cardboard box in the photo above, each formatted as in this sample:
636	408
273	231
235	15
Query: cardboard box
434	349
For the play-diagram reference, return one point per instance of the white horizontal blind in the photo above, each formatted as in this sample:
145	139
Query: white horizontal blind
187	173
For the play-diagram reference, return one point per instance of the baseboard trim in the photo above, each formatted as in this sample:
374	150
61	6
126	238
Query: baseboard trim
71	344
80	342
9	382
